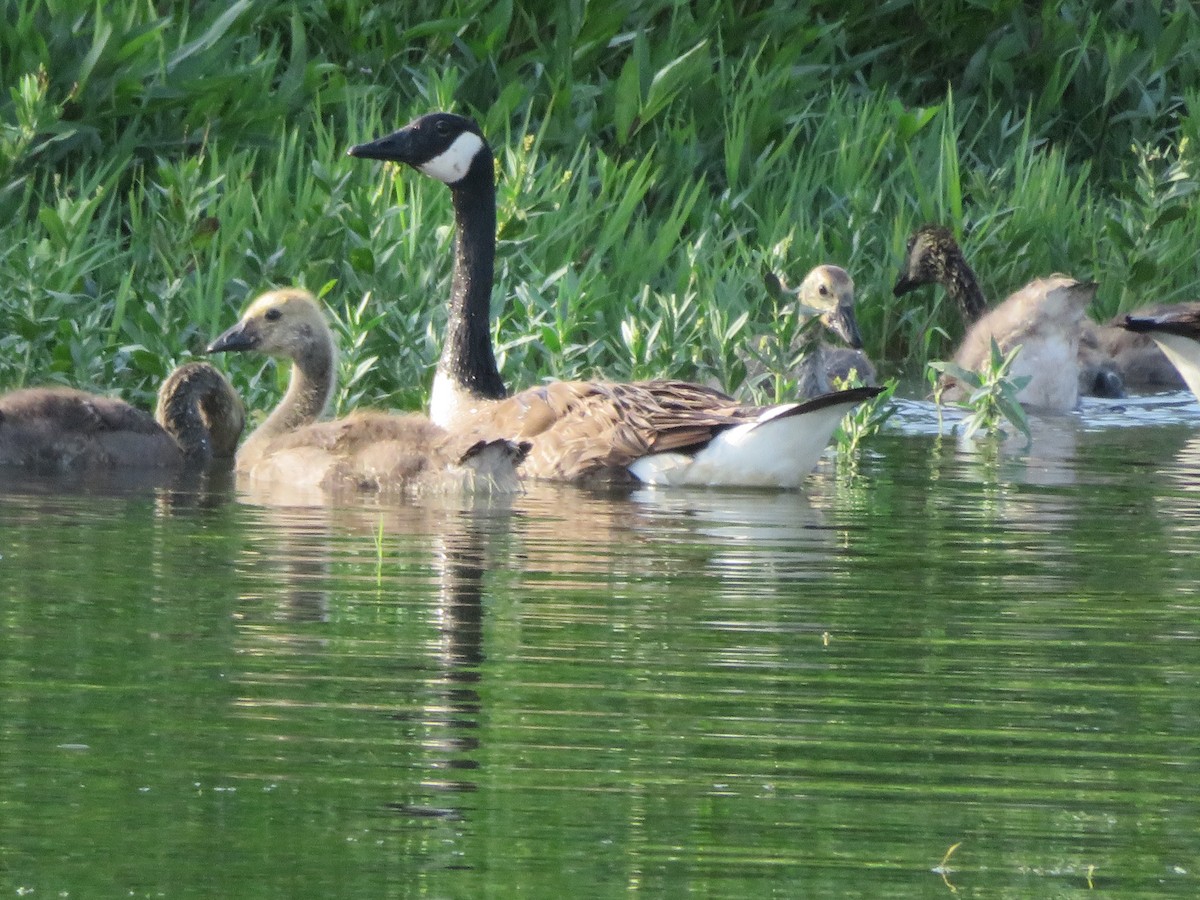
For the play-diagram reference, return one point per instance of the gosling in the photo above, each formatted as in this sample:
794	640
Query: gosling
366	451
63	431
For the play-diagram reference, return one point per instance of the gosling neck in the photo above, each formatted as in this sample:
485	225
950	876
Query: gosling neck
467	371
199	409
962	287
308	394
811	376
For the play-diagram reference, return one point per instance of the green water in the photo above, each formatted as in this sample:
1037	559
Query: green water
659	693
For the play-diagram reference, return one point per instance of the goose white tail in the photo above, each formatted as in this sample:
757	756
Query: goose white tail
776	450
1184	354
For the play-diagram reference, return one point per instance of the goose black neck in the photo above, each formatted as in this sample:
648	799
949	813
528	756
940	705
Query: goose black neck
467	356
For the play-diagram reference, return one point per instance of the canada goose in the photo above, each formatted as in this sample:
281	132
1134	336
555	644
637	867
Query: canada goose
66	431
827	294
370	451
1047	324
1142	363
658	432
1176	330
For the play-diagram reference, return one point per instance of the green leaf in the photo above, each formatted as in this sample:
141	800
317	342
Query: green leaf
362	260
689	68
209	39
53	224
100	38
957	372
735	328
1143	271
910	121
1170	214
628	99
496	24
1020	382
1015	413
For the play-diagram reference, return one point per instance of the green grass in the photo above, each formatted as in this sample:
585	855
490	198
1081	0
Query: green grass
162	163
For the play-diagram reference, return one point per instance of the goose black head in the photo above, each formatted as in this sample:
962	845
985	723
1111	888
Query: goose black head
441	145
926	259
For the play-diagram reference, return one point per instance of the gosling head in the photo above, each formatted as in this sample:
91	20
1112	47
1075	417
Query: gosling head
287	323
930	253
828	293
441	145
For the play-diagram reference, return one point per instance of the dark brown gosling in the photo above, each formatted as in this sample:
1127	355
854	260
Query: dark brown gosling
64	431
365	451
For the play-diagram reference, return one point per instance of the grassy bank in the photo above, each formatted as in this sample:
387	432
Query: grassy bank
652	160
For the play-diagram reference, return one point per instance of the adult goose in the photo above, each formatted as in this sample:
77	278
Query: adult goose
63	431
1176	331
1143	364
656	432
1046	317
827	295
366	451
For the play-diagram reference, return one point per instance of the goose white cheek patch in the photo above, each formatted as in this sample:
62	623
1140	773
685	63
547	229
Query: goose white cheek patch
452	163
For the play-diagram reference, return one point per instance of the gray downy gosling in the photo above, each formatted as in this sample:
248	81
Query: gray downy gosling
1046	317
825	294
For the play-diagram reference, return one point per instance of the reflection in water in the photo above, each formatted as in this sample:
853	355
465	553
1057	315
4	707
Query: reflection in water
292	552
1177	503
361	565
748	694
571	530
172	491
451	715
1184	469
1033	485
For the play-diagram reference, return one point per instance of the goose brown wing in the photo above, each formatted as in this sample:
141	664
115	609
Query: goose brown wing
579	430
686	416
593	430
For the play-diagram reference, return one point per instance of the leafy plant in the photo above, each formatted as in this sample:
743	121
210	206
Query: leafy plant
162	162
990	394
866	420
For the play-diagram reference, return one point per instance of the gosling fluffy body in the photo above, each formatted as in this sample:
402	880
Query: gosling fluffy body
65	431
1045	318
